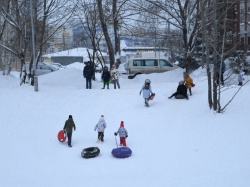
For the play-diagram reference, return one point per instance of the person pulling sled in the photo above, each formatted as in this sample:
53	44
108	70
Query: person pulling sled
146	90
68	128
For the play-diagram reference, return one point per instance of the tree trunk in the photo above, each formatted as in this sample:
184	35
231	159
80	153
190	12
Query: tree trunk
116	30
215	30
106	34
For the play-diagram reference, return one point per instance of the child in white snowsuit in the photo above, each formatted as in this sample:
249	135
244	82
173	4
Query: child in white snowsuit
241	78
146	89
123	134
100	127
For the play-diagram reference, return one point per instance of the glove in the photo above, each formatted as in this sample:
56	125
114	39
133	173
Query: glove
115	134
126	136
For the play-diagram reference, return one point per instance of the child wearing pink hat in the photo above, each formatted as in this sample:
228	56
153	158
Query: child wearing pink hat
123	134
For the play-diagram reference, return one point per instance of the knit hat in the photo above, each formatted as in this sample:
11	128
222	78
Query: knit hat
122	124
70	116
181	82
102	116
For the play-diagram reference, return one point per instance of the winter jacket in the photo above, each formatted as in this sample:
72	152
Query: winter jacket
106	76
69	125
101	125
114	74
221	66
88	71
182	89
146	92
122	132
188	81
241	76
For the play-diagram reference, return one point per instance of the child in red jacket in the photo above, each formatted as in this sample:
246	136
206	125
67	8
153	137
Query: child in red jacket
123	134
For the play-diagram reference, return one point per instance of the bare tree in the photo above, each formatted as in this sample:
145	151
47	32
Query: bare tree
104	25
49	16
215	31
180	14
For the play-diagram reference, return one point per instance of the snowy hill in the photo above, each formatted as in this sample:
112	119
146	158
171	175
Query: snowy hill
175	143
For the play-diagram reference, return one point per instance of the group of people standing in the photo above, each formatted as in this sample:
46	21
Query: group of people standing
100	127
107	76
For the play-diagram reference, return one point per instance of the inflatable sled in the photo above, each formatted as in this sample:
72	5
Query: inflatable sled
61	136
151	97
90	152
121	152
180	96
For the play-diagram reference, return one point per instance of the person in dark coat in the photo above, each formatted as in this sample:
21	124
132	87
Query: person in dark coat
220	70
88	73
181	90
68	128
106	77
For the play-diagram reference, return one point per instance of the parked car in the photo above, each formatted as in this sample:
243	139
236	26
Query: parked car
42	68
123	68
148	65
57	65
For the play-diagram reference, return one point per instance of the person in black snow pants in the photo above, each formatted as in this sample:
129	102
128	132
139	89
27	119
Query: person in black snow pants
88	73
105	77
68	128
181	90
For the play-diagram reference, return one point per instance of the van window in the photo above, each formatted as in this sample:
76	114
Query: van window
137	63
151	62
165	63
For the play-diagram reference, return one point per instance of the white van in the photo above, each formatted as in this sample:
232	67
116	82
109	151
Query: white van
148	65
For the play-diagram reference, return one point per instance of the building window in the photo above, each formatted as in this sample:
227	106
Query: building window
59	40
52	50
51	39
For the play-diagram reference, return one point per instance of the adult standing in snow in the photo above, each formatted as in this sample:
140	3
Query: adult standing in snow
115	76
100	127
181	91
241	78
220	69
123	134
105	77
146	90
68	128
188	82
88	73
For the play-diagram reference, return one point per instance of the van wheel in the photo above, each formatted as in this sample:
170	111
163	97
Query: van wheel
131	76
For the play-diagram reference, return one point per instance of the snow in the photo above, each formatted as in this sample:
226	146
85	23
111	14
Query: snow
175	143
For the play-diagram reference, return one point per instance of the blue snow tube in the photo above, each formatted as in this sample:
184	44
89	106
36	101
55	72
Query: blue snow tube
90	152
121	152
